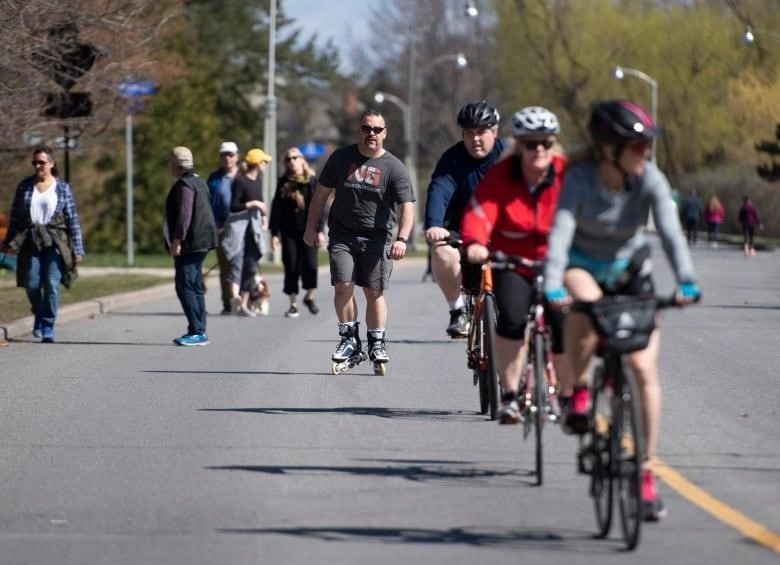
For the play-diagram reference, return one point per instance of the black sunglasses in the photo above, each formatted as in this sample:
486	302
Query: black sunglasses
39	163
532	144
376	130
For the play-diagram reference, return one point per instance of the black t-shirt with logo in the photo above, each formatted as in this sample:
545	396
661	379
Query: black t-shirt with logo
367	193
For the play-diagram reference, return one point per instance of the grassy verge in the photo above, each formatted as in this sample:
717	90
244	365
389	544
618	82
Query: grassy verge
14	305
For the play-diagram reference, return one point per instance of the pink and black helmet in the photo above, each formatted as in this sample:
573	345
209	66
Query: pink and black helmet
618	121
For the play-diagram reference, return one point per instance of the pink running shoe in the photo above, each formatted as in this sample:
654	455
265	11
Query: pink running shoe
653	506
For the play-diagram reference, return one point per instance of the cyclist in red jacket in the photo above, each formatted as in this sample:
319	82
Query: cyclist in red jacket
511	211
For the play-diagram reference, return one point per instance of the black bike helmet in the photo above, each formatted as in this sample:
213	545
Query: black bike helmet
619	121
478	114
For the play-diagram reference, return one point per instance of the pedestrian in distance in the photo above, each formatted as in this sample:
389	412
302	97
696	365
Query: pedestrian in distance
242	237
190	233
220	182
714	215
598	246
289	209
691	213
45	231
453	182
372	201
511	211
748	218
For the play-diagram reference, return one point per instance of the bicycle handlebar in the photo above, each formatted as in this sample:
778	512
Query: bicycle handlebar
661	303
501	261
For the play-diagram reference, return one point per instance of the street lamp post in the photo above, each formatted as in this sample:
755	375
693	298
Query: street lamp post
415	87
621	72
269	134
379	98
409	160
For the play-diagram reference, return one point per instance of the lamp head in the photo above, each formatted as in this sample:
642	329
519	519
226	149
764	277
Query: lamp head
619	74
471	9
749	37
461	61
379	97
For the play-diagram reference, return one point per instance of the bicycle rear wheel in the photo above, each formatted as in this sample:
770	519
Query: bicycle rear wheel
540	397
489	329
601	487
628	449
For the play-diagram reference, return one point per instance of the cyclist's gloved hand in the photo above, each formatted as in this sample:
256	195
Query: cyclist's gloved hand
557	295
688	292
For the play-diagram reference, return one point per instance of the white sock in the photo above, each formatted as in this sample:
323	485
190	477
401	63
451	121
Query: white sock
458	303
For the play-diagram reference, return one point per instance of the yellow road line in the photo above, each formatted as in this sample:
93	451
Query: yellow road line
716	508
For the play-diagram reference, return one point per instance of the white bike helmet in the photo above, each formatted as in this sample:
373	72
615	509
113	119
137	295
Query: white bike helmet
535	120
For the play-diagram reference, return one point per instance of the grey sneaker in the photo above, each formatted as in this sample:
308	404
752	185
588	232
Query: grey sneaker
459	324
509	412
292	312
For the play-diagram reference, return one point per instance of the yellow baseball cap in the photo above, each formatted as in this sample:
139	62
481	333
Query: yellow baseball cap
257	156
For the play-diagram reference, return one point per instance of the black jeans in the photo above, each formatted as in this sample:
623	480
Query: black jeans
190	290
300	262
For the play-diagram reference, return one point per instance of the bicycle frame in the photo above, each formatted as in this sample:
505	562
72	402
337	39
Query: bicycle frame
479	344
536	325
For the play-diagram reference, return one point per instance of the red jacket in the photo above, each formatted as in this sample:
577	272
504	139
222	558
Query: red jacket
504	216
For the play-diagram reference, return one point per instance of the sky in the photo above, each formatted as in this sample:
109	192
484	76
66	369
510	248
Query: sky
332	19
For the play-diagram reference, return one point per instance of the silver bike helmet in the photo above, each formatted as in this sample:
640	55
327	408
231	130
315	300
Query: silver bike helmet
535	120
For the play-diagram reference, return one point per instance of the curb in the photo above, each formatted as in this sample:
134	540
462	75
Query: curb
104	304
88	309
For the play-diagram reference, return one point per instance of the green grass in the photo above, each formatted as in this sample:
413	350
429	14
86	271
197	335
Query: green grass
14	304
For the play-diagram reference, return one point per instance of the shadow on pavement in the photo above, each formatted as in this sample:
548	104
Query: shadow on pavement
376	411
540	539
415	473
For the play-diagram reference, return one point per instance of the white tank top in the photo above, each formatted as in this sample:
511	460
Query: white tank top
43	204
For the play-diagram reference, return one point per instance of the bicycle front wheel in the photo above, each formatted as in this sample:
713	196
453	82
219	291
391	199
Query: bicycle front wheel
601	488
540	397
477	345
489	329
628	450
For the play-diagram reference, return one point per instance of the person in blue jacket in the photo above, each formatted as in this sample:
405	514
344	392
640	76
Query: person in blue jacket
453	181
220	182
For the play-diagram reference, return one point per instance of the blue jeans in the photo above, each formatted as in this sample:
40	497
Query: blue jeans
43	285
190	290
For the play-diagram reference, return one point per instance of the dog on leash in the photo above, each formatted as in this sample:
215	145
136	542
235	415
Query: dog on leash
259	297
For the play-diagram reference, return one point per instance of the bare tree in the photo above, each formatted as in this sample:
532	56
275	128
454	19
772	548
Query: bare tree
67	57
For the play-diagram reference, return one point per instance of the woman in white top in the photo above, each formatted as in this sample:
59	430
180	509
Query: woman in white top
45	228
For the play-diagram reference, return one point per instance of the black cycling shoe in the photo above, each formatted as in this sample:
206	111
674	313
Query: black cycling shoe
459	323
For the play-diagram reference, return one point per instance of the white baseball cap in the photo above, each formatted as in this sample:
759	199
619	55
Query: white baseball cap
228	147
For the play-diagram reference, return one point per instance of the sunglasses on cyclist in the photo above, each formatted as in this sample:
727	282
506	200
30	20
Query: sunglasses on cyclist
532	144
638	147
376	130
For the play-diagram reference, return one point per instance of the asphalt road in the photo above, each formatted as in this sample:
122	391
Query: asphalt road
120	448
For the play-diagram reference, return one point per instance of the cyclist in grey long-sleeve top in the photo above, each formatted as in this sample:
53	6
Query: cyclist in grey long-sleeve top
605	230
598	246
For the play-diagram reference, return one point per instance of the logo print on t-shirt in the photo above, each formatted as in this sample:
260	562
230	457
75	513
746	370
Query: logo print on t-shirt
365	175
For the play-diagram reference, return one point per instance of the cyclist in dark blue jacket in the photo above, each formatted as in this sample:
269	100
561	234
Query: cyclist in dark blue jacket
453	181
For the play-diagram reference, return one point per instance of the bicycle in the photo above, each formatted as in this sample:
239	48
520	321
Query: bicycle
612	449
538	384
480	356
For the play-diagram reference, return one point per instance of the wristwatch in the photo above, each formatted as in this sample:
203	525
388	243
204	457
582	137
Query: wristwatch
401	239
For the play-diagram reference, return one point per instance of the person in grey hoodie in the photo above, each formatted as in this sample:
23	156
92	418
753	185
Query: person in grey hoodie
598	246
